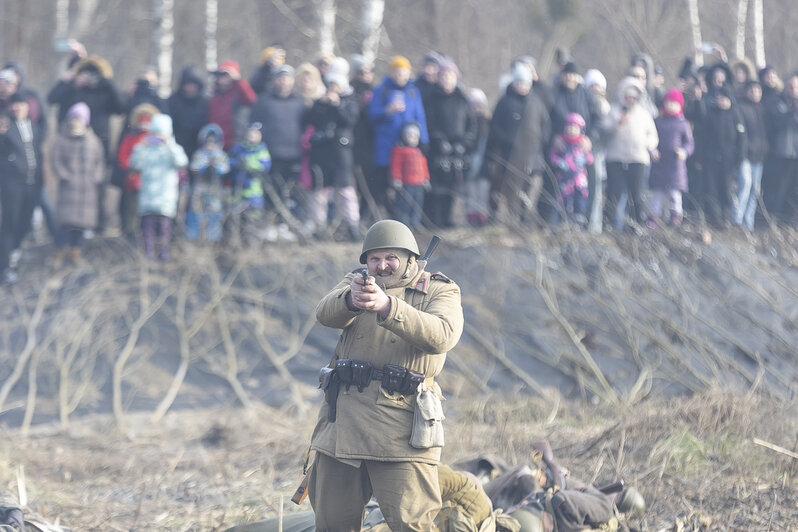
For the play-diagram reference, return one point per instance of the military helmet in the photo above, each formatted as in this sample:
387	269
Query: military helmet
632	503
389	234
529	521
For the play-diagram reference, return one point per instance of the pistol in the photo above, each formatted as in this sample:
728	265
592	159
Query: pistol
364	273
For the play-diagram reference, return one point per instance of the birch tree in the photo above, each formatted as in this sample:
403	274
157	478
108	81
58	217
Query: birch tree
327	11
373	11
87	9
164	43
211	23
61	19
759	35
742	16
695	25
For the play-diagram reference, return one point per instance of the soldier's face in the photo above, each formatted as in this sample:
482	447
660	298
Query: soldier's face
387	265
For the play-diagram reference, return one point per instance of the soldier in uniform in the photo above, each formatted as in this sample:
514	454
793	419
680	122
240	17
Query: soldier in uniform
396	325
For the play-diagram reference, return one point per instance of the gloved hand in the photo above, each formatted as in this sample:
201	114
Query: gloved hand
396	184
427	186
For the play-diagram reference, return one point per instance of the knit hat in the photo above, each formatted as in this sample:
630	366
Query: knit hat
477	98
399	61
161	124
521	73
339	79
575	119
18	97
595	77
8	75
449	65
269	51
432	57
231	68
570	68
410	128
673	95
359	62
80	110
142	113
285	70
528	59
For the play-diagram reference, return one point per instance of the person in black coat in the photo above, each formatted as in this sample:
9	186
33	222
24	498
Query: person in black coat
333	117
21	178
280	110
724	148
89	81
779	186
452	128
519	131
188	107
36	111
14	73
571	96
749	181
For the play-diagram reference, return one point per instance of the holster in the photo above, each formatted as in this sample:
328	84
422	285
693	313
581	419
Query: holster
330	382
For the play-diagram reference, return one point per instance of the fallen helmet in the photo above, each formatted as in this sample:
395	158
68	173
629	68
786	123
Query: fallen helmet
632	503
529	521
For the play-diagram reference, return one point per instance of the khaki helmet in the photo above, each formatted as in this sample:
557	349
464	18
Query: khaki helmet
389	234
529	521
632	503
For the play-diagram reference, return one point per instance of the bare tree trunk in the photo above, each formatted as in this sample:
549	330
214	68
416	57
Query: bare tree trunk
211	22
61	19
86	12
164	43
327	10
759	35
695	25
373	11
742	16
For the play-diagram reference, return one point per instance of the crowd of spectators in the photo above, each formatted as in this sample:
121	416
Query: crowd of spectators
305	153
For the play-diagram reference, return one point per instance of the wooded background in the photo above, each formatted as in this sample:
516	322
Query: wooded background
482	36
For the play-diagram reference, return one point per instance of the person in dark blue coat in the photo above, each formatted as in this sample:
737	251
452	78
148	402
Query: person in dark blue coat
396	102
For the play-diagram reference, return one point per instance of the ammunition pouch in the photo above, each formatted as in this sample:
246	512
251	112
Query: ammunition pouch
393	378
397	379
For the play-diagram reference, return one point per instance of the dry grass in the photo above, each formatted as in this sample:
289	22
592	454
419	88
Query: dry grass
693	459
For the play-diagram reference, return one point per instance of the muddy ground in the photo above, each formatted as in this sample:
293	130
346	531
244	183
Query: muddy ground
182	396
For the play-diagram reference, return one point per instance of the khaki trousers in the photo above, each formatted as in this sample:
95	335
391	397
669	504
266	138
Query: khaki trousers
408	494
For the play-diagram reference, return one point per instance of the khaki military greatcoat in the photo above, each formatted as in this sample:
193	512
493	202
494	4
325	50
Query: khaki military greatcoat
424	323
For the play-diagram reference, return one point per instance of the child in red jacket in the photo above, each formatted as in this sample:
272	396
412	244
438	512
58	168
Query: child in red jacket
409	177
